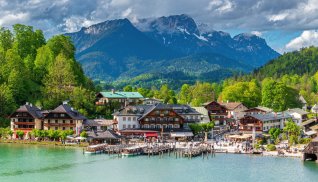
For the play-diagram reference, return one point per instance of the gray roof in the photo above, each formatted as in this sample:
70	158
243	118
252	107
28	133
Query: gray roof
262	108
298	111
98	122
142	110
271	116
32	110
65	108
201	110
108	134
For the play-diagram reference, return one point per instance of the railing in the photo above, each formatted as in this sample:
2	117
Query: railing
24	123
60	124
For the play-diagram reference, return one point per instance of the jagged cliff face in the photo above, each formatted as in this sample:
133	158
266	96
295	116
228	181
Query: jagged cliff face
115	48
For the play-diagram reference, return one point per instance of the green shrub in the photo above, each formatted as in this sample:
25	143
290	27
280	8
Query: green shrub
271	147
304	140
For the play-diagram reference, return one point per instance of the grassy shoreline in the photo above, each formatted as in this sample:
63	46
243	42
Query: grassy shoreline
43	143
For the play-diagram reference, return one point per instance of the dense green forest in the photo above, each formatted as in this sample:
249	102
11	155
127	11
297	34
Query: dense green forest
277	85
41	72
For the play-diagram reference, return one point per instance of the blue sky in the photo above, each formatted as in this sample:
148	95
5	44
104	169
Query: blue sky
286	25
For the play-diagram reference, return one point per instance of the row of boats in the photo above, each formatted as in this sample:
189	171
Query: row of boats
124	150
132	150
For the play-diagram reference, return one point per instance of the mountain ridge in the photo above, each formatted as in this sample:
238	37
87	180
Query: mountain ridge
113	49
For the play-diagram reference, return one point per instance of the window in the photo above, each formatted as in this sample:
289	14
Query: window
146	119
158	126
63	121
56	121
170	126
129	126
56	128
176	119
62	115
176	126
48	128
48	121
124	118
71	121
134	126
129	118
146	126
56	115
124	126
134	118
71	128
63	128
158	112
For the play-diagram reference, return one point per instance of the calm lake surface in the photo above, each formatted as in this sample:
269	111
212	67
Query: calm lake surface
39	163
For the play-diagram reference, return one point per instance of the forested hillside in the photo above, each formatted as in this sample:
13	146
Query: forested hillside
304	61
294	73
42	72
277	85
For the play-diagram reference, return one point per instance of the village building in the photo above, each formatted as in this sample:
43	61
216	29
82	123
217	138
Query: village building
64	117
204	114
151	101
107	136
311	151
298	115
165	118
123	98
98	124
262	122
218	114
26	118
258	110
234	109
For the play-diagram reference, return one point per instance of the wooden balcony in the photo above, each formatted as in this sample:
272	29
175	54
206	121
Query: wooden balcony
24	123
59	124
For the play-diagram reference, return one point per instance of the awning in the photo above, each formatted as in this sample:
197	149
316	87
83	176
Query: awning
151	135
181	134
309	133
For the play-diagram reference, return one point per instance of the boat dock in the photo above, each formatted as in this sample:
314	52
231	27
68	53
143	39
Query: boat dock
203	150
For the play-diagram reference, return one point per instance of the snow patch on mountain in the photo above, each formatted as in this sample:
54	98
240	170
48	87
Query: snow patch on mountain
201	37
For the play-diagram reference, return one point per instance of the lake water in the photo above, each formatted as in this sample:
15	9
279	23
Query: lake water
39	163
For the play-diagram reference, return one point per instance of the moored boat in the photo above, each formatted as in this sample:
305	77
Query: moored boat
132	151
95	149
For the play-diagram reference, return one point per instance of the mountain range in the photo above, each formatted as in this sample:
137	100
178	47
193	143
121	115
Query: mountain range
161	47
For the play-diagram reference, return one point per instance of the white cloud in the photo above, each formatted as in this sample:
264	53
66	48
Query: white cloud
278	17
257	33
14	18
306	39
74	23
126	13
220	6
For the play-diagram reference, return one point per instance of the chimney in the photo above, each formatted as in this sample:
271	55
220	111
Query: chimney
113	91
27	103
